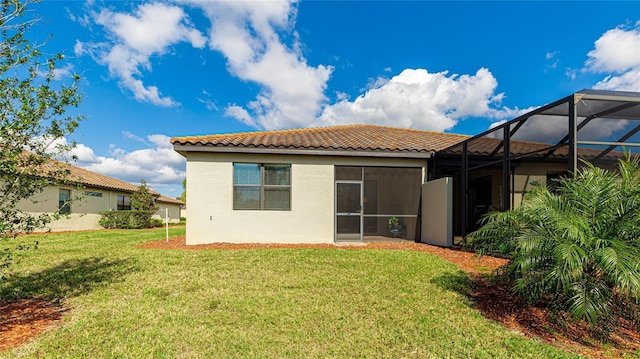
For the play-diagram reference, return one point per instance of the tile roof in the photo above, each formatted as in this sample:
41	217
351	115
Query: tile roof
91	179
337	138
165	199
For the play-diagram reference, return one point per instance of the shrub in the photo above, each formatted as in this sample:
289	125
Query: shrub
126	219
143	199
576	249
158	222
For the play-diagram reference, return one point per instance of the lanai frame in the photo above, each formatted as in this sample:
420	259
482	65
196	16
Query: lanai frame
499	147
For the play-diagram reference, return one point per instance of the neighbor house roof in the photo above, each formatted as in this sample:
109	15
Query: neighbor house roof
338	140
165	199
89	178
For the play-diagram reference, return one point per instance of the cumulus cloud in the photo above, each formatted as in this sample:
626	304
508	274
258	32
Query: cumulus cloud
158	164
417	98
250	34
628	81
617	54
617	50
260	45
133	38
80	154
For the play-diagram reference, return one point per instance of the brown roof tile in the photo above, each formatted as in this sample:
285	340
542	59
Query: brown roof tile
342	138
165	199
91	179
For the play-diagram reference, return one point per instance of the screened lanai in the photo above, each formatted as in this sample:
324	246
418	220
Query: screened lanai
493	170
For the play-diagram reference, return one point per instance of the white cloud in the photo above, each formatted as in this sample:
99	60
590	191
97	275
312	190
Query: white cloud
81	153
131	136
248	34
159	164
552	60
417	98
617	54
133	38
240	114
208	102
65	71
260	44
617	50
161	141
629	81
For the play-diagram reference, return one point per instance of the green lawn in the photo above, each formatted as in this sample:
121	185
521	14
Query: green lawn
129	302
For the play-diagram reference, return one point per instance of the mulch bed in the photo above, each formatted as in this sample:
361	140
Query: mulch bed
494	300
22	320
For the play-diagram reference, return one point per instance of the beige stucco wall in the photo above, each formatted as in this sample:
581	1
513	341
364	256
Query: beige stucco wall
73	222
174	212
310	220
529	173
437	212
84	209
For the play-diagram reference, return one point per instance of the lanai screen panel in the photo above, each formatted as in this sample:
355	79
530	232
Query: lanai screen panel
387	192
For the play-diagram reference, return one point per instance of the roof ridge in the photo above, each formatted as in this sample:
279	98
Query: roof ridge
270	132
308	130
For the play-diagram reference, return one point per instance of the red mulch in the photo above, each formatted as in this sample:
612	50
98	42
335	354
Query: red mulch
22	320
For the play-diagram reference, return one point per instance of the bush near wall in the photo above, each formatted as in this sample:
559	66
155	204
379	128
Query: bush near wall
126	219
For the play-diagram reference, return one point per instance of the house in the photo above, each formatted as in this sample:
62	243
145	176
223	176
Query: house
345	183
171	207
314	185
84	195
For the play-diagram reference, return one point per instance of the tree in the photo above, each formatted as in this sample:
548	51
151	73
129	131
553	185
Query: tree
576	248
33	120
143	199
183	196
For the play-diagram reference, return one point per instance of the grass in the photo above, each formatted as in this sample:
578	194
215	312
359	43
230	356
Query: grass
130	302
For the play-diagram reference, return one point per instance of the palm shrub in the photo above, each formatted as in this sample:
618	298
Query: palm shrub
576	248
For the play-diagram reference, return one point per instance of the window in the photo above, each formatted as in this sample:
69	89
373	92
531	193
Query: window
64	198
93	193
261	187
124	203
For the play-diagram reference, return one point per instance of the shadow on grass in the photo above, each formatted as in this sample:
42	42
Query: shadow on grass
458	282
68	279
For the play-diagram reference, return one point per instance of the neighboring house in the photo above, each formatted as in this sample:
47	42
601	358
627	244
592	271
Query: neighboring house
324	185
174	207
90	194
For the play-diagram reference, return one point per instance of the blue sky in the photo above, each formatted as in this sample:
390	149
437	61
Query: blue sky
152	70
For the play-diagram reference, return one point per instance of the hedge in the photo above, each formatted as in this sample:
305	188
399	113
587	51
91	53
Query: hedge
126	219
